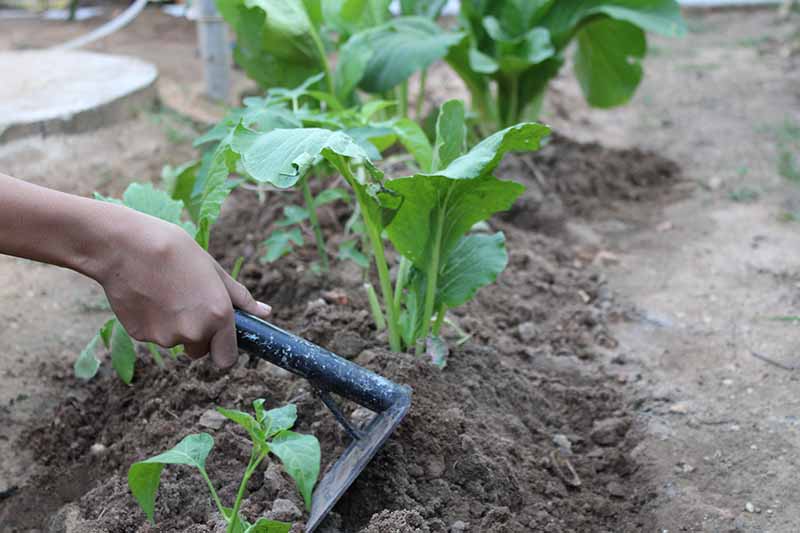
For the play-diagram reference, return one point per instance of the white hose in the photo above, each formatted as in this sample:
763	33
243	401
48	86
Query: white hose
106	29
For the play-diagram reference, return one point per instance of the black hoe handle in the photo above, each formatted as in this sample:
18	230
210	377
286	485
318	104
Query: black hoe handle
325	370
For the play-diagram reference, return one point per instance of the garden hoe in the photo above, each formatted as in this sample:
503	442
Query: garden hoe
329	373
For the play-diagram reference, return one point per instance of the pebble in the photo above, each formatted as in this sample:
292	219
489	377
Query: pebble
610	431
459	527
616	490
527	331
98	449
749	507
680	408
285	510
563	443
211	419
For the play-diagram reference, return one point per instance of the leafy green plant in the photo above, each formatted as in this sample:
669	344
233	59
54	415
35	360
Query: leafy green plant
203	206
427	216
280	43
269	432
519	46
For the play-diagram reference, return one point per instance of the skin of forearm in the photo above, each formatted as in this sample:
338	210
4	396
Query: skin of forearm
57	228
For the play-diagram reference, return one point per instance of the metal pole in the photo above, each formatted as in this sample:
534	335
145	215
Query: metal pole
212	37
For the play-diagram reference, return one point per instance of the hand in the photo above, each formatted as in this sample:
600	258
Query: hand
166	289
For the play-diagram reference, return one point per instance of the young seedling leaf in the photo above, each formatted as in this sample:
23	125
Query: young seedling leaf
423	8
106	331
250	424
144	477
348	251
293	215
147	199
331	195
264	525
451	134
300	455
276	420
413	138
87	364
280	243
123	353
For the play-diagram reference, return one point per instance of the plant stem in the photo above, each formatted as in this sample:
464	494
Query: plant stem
423	79
237	267
323	58
214	494
432	279
404	99
513	106
312	217
251	468
437	326
375	307
403	270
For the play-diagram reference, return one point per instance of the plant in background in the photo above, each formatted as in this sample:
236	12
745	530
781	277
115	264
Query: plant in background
519	45
269	432
426	216
280	43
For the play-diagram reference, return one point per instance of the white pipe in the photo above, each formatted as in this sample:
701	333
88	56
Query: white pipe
212	36
106	29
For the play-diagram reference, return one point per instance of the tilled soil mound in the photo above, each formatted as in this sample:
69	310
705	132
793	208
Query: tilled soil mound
512	436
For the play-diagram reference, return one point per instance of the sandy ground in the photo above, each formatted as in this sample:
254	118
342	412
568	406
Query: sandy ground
701	276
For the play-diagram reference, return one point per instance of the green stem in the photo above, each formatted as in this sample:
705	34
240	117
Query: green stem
237	267
437	326
423	79
404	99
312	217
402	277
214	494
513	106
251	468
375	307
323	58
432	279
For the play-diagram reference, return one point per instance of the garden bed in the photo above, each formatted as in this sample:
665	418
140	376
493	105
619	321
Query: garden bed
514	435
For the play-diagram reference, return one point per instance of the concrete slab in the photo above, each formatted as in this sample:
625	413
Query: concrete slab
46	92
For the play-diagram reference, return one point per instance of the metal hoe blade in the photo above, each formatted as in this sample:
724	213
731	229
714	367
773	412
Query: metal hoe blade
329	373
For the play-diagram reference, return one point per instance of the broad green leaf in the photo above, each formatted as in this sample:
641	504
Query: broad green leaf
216	189
264	525
379	59
144	477
281	242
145	198
374	106
277	43
294	215
415	142
123	353
607	61
350	16
451	134
87	363
300	455
348	251
283	156
280	419
246	421
261	117
424	8
475	262
331	195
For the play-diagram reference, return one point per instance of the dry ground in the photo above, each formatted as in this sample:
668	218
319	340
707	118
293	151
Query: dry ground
702	276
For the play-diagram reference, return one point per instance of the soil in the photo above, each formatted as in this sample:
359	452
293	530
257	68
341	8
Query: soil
619	343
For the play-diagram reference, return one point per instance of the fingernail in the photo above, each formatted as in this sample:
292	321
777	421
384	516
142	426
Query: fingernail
266	309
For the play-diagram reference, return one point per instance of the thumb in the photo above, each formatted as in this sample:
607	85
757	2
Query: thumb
241	297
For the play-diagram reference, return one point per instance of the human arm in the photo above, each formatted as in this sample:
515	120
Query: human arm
162	286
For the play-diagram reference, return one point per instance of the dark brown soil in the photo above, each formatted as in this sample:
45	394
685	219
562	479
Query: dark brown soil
514	435
568	178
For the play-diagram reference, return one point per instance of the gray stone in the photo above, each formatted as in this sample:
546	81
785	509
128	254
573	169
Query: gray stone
285	510
211	419
459	526
610	431
46	92
527	331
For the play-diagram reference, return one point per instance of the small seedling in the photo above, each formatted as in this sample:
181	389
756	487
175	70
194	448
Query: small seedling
269	432
744	195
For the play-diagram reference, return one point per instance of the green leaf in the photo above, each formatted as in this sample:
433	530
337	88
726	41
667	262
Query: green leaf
348	251
607	61
294	215
300	455
144	477
123	353
264	525
349	16
475	262
379	59
423	8
250	424
276	41
276	420
145	198
451	134
87	364
415	142
106	331
281	157
331	195
216	188
281	242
